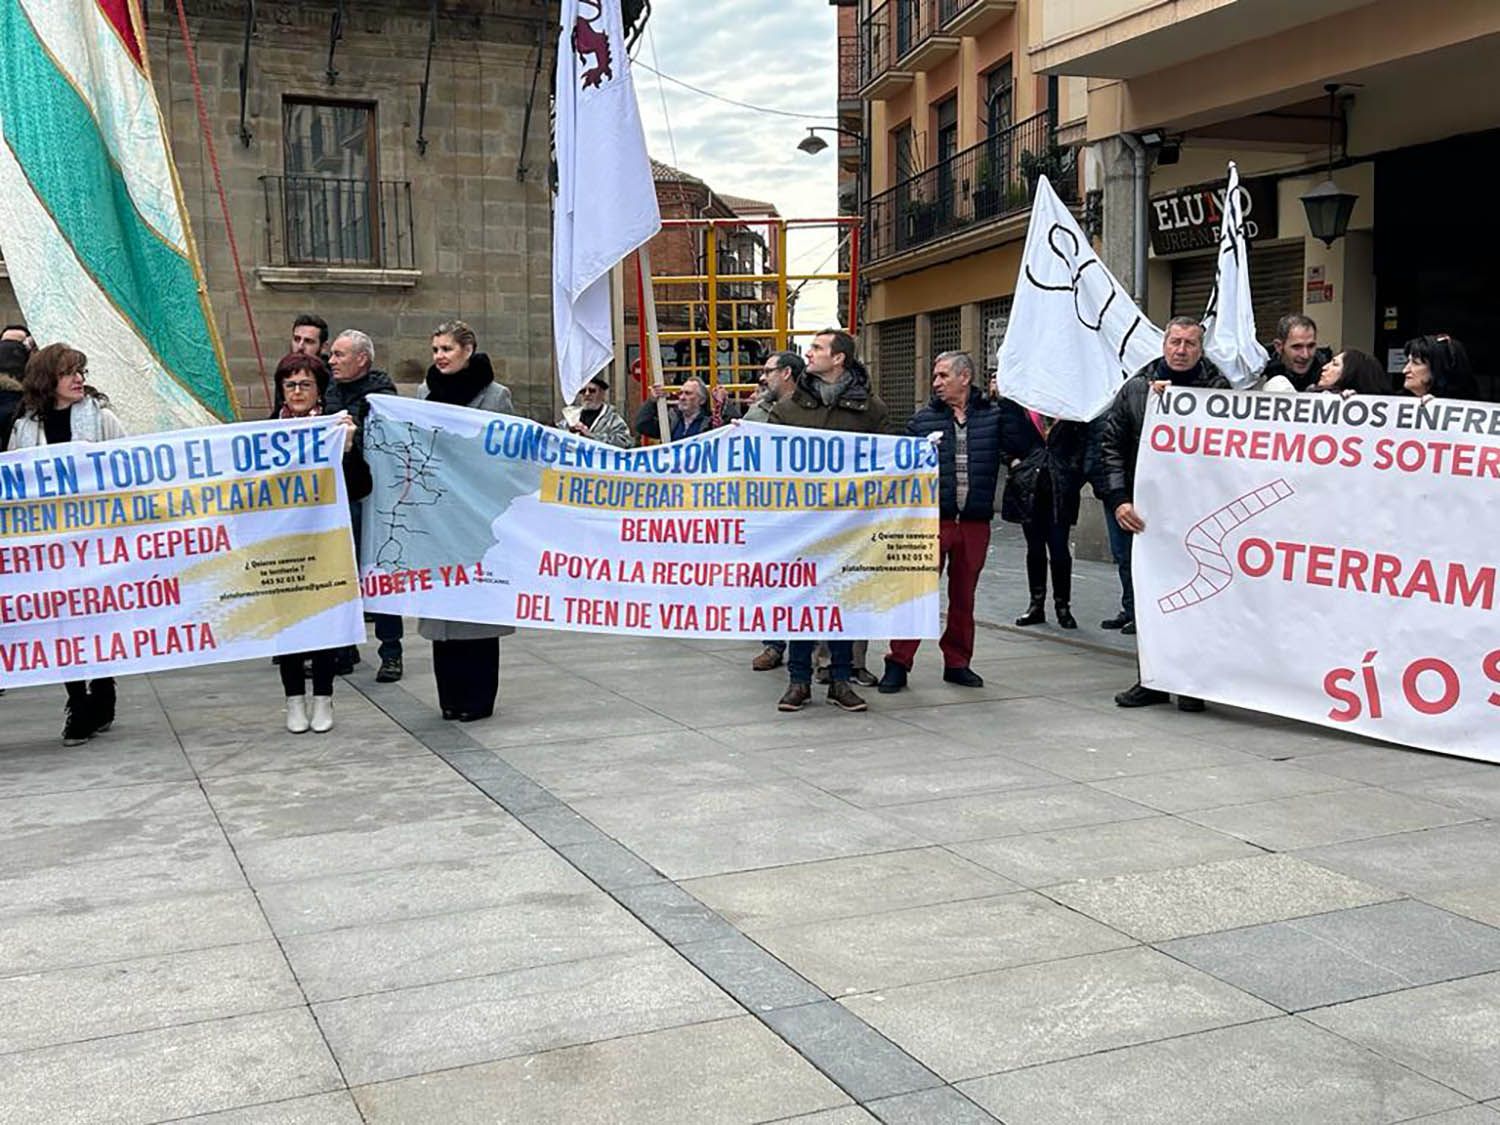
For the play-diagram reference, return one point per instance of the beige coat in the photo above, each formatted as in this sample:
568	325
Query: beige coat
496	399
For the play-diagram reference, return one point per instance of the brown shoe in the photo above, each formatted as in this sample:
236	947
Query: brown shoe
841	695
864	677
767	659
796	698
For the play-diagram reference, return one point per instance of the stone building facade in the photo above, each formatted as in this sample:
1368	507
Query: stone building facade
346	200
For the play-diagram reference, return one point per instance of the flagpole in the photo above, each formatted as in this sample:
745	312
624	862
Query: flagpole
651	361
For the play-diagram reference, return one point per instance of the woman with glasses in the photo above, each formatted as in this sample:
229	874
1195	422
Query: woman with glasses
594	417
58	406
301	381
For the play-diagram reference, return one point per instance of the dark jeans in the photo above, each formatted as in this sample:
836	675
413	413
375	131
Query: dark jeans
1119	547
799	661
388	632
294	682
467	675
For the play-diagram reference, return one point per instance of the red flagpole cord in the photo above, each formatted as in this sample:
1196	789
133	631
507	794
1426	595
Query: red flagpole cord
213	160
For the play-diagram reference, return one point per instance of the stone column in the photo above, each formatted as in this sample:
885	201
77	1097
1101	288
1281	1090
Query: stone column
1118	241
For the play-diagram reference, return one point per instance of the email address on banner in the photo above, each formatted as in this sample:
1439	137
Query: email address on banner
762	494
305	488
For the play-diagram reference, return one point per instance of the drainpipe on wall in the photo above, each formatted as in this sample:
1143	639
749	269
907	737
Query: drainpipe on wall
1140	154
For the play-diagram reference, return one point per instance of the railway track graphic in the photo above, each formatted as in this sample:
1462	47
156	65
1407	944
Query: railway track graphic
1205	542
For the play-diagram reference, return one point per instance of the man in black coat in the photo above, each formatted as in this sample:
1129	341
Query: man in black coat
355	379
1295	354
969	460
1182	364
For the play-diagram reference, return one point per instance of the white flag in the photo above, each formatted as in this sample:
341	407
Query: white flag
1074	333
1229	322
606	196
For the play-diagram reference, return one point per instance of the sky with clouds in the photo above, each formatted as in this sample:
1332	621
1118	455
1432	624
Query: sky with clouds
779	54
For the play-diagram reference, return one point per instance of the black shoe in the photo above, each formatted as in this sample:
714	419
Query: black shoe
863	677
963	677
1138	696
76	726
1190	703
1036	614
1065	618
1128	629
449	713
893	680
1118	621
390	670
841	695
796	698
473	716
821	676
344	664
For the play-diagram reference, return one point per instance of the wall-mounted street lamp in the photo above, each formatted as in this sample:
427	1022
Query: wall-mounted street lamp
1329	209
812	144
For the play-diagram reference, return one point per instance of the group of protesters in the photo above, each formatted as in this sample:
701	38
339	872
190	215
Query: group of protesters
993	453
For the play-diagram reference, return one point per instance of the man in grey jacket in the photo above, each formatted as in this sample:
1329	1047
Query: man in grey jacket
778	377
355	379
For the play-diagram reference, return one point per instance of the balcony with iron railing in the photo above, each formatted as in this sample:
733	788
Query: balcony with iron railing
901	37
973	17
317	221
992	181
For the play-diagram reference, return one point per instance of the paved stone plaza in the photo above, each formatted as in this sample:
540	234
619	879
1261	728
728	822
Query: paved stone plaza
638	894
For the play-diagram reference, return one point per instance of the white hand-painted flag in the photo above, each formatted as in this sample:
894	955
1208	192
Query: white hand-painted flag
1229	322
606	196
1074	333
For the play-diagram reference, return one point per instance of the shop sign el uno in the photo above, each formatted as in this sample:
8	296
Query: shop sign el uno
1188	219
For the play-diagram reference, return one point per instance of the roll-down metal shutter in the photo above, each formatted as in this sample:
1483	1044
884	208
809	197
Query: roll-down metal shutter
895	376
1275	284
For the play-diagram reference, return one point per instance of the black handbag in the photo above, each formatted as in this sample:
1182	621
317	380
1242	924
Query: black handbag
1019	496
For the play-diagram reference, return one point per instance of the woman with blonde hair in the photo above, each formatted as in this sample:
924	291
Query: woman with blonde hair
465	655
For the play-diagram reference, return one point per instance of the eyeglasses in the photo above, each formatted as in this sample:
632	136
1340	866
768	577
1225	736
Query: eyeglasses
81	373
298	385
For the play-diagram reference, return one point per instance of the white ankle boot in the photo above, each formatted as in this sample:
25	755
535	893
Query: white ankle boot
296	714
322	714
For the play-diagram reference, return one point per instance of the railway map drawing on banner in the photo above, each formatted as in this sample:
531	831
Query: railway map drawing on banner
1327	559
749	531
175	549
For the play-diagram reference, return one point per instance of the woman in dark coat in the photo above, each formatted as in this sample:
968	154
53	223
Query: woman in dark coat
1041	494
57	406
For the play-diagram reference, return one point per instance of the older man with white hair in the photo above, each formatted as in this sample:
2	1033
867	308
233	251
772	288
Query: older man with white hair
355	379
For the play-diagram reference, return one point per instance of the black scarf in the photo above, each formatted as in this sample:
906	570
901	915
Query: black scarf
459	388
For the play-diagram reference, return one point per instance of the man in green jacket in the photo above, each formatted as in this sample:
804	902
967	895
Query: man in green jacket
833	393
